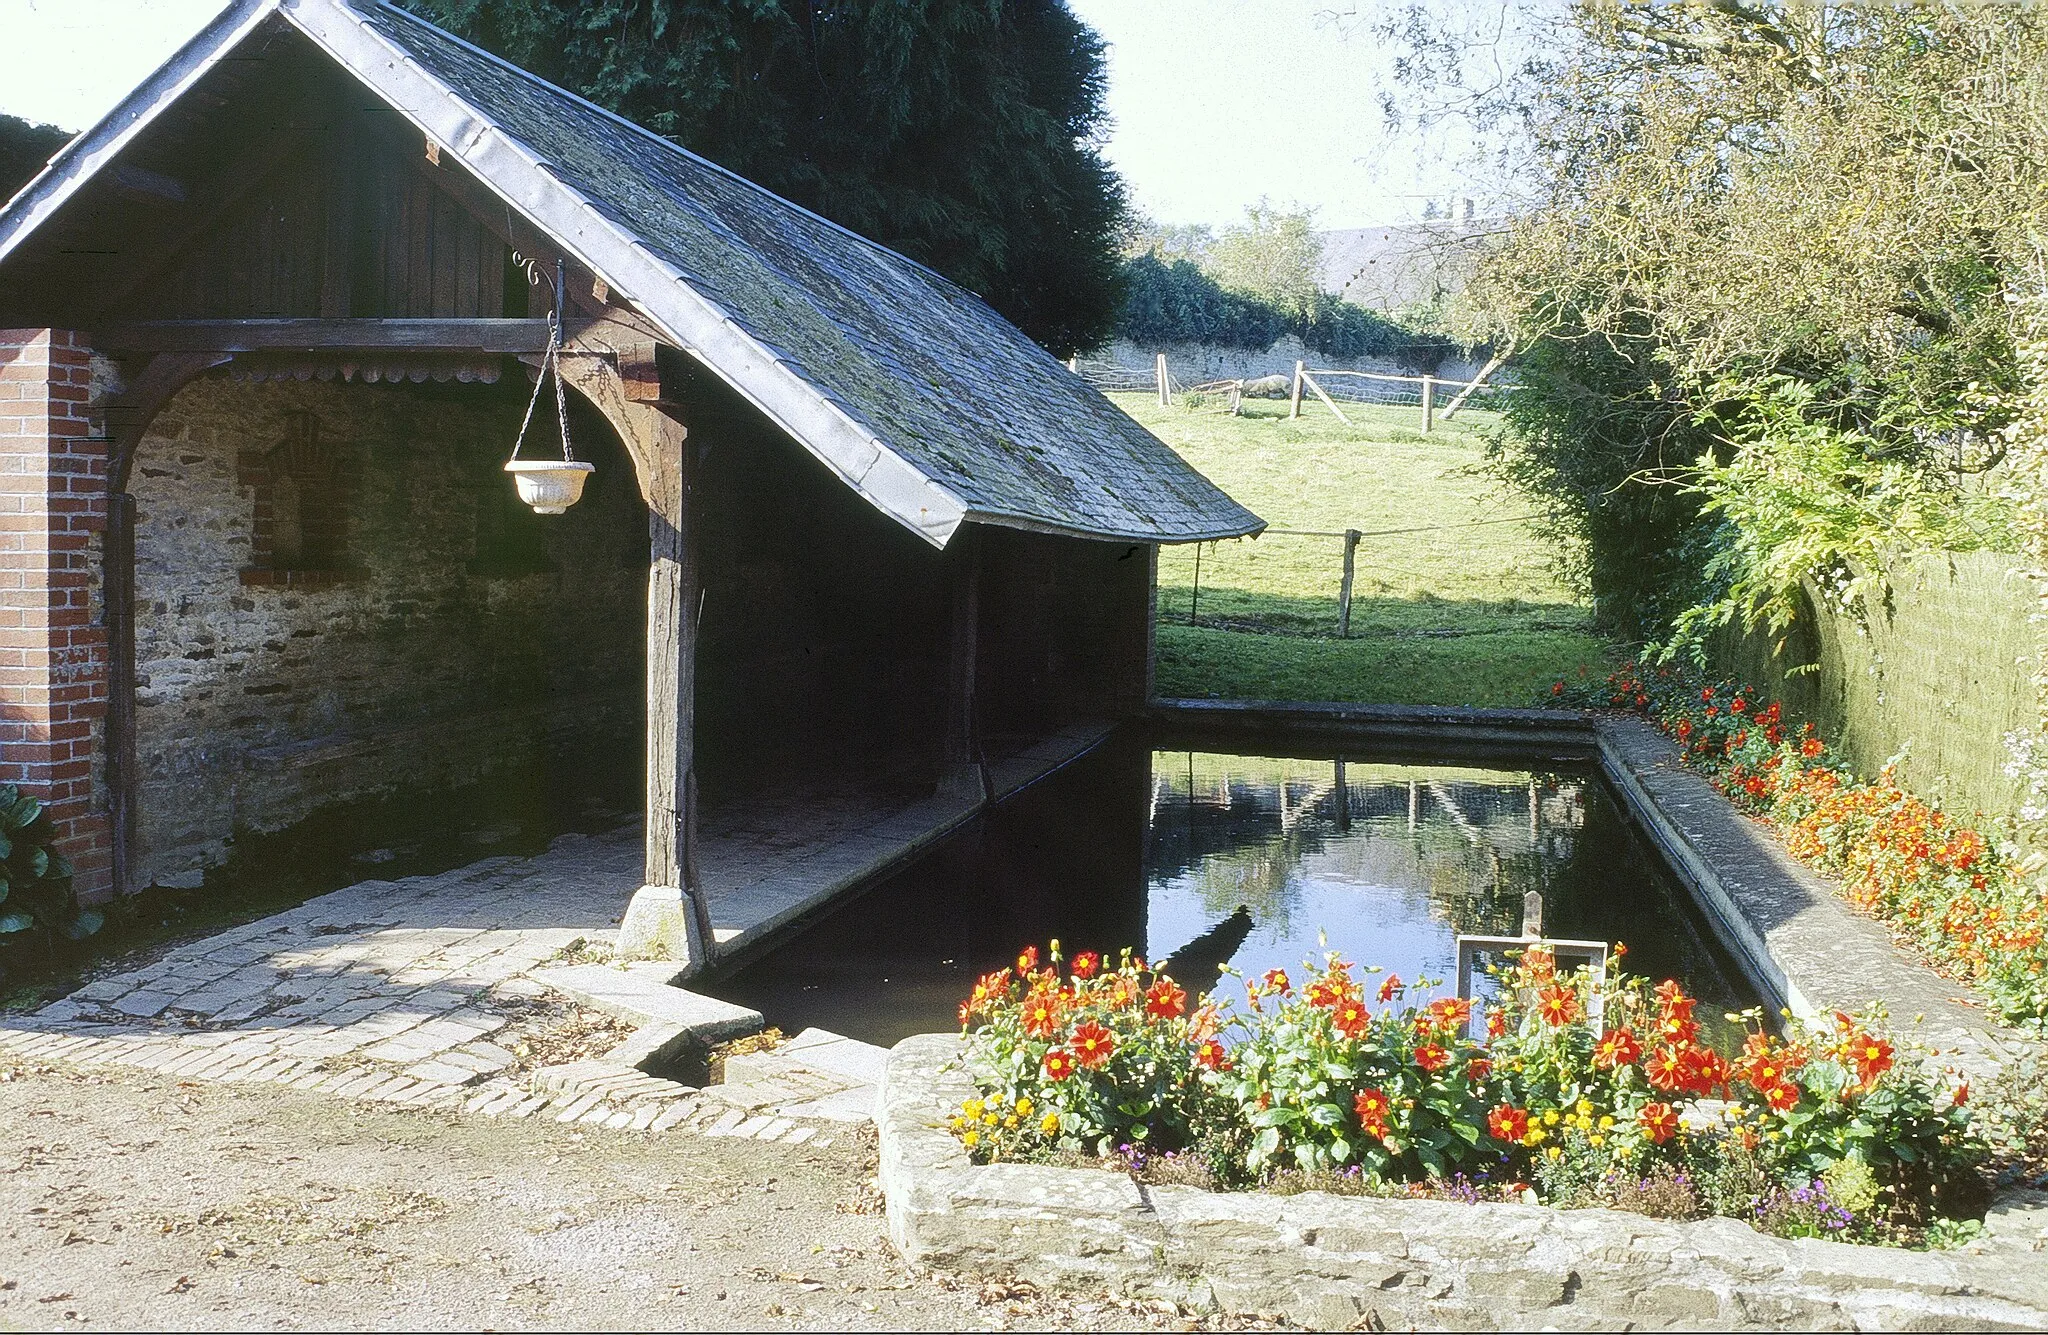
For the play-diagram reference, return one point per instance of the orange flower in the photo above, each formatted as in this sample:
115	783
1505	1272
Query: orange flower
1450	1013
1093	1044
1432	1058
1617	1047
1782	1097
1660	1120
1276	980
1508	1123
1165	1000
1873	1057
1496	1022
1058	1064
1210	1056
1042	1015
1390	988
1668	1068
1085	965
1478	1069
1027	960
1350	1018
1558	1005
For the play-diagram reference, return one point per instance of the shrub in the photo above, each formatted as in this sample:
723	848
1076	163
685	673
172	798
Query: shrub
35	879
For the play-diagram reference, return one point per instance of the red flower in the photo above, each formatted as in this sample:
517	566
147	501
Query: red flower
1058	1064
1027	960
1508	1123
1660	1120
1350	1018
1210	1055
1617	1047
1432	1058
1710	1071
1165	1000
1782	1097
1276	979
1810	747
1478	1069
1496	1022
1391	988
1085	965
1371	1105
1558	1006
1450	1013
1093	1044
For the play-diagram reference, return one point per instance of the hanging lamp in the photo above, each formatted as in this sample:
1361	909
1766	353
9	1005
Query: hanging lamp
550	486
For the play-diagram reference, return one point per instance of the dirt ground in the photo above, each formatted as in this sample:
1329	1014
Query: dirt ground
129	1201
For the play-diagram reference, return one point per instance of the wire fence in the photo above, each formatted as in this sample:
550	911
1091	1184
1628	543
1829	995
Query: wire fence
1298	614
1434	397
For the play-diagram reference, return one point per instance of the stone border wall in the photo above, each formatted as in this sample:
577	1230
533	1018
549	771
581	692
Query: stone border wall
1334	1262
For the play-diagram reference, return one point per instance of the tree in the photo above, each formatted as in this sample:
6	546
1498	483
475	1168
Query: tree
1802	231
24	149
963	133
1274	255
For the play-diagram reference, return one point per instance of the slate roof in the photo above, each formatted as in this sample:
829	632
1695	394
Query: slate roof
913	390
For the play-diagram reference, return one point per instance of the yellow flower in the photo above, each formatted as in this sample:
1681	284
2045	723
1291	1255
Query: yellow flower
1535	1136
970	1137
1598	1141
1585	1107
1606	1123
1554	1152
1024	1106
1050	1124
989	1118
1550	1117
1010	1122
973	1107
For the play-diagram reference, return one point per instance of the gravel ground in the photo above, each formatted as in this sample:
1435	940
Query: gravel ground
132	1202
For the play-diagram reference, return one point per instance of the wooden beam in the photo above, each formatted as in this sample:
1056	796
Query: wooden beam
315	335
963	772
657	442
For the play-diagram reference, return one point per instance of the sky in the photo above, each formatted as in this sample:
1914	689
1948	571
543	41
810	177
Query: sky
1216	103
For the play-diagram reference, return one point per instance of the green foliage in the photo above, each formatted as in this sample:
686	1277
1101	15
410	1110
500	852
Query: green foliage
35	879
1176	302
1273	255
24	148
962	134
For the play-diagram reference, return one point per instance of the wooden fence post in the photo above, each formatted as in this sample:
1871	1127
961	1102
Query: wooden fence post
1165	386
1328	402
1351	536
1428	404
1478	380
1195	596
1294	400
1237	398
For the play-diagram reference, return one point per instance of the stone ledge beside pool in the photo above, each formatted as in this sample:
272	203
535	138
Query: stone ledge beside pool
1329	1261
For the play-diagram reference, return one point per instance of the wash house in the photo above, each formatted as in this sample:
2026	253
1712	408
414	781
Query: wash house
270	333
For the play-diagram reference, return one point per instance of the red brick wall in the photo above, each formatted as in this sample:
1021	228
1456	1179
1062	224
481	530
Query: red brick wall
53	650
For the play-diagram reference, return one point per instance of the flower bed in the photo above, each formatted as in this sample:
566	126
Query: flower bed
1962	899
1369	1086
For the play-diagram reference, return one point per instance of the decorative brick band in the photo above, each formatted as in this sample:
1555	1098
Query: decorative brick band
53	644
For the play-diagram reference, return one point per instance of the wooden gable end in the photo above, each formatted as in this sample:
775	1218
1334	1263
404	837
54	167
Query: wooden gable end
277	187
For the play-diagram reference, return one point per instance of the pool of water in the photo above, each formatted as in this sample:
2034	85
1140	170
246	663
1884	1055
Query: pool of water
1205	858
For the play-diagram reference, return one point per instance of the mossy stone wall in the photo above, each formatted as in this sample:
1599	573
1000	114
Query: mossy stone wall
1937	675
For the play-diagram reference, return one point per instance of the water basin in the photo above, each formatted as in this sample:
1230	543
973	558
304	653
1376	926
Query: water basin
1208	857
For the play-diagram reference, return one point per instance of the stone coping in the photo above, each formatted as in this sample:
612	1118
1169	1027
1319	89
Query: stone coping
1335	1262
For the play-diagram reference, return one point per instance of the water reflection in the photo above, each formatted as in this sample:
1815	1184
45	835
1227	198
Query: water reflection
1215	858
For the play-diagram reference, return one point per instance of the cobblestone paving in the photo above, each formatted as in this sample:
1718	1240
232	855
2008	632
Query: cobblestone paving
407	992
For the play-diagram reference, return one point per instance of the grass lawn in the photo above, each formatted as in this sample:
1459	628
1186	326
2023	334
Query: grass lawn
1471	613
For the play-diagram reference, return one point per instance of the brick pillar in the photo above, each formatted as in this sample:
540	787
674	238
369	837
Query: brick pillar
53	649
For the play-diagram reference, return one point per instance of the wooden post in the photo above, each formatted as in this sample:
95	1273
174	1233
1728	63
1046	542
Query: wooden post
1236	398
963	774
1165	385
1195	597
1532	915
1343	790
118	595
1351	536
1477	381
1328	402
1428	404
1294	398
668	917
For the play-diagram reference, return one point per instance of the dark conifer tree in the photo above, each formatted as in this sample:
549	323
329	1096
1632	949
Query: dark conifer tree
962	133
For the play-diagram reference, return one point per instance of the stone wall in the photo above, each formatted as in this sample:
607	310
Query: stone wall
1938	675
448	632
1338	1263
1195	363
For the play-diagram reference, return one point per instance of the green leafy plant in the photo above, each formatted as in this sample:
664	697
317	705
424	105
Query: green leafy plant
35	879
